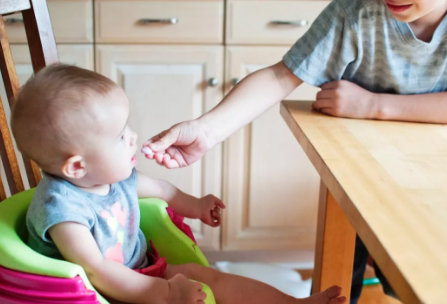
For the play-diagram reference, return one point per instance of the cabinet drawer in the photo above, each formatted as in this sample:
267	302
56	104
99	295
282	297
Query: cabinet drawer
270	22
159	21
72	22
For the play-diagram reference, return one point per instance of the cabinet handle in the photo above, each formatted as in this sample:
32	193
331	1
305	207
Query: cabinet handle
14	21
298	23
158	21
235	81
213	82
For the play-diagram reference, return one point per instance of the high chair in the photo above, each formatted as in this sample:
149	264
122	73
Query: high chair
25	275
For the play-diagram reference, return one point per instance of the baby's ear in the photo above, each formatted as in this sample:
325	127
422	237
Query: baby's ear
74	167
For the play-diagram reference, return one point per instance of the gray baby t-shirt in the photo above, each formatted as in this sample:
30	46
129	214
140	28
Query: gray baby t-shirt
360	41
113	219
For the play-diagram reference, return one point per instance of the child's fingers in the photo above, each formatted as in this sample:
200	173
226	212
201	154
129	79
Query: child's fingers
176	155
215	214
330	85
219	203
148	153
325	94
151	156
215	222
169	163
322	103
216	218
159	158
202	295
163	140
328	111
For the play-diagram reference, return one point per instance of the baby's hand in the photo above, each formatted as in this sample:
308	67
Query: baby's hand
184	291
211	210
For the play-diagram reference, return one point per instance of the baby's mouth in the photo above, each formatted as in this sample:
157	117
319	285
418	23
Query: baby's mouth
134	160
398	8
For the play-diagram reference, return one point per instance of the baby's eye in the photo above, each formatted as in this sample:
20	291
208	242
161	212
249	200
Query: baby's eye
122	137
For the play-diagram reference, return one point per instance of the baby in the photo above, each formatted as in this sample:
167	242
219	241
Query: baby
73	123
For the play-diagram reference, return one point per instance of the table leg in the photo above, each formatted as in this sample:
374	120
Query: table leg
334	254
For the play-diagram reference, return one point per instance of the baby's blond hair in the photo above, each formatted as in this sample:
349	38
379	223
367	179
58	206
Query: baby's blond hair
50	110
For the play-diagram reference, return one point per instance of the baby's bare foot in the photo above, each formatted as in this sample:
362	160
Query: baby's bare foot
329	296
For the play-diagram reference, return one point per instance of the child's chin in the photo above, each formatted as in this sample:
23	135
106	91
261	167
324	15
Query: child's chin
120	177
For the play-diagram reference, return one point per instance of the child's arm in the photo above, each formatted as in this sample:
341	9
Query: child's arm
206	208
115	280
254	95
345	99
186	142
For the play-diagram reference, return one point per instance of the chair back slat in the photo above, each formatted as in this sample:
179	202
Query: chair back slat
12	6
40	35
11	82
12	86
43	51
7	66
2	191
8	155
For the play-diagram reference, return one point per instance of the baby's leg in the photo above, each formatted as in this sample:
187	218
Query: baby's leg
233	289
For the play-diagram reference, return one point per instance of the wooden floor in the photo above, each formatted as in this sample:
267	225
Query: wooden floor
370	294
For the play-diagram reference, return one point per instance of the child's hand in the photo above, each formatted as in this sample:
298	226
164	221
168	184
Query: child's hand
210	206
346	99
184	291
180	146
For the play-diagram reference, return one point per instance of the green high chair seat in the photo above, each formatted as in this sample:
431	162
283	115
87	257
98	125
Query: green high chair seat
156	225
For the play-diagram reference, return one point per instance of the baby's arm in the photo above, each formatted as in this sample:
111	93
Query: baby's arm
77	245
205	208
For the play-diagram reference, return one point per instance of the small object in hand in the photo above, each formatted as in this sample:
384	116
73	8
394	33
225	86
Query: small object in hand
147	151
216	214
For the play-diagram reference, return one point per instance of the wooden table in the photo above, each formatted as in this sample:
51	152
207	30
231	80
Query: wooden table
387	181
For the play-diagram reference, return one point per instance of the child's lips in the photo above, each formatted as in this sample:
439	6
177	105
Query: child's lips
134	160
398	8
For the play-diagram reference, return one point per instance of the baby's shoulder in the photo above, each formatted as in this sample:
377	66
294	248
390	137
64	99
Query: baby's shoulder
53	187
55	194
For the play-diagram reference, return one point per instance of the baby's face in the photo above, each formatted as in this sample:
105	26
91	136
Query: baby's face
113	155
412	10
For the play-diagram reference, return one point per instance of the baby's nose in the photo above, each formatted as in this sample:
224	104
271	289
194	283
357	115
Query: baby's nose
134	139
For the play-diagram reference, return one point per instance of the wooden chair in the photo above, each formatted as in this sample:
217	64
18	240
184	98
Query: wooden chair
43	52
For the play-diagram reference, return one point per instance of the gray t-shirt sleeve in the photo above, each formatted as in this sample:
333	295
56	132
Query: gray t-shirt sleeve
57	207
326	49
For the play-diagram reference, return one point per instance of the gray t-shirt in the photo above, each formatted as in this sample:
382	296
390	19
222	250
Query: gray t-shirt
113	219
360	41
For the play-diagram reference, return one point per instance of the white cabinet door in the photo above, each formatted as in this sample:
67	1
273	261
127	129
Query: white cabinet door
166	85
270	186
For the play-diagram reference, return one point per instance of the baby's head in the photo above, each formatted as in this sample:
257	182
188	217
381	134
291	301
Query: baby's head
73	123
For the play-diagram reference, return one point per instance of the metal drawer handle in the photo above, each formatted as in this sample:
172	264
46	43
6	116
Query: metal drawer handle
235	81
299	23
213	82
158	21
14	21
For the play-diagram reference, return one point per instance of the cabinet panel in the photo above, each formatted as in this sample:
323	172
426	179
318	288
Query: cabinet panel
270	186
159	21
166	85
72	22
270	22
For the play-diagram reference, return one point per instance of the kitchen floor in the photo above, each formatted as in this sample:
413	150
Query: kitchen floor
370	294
